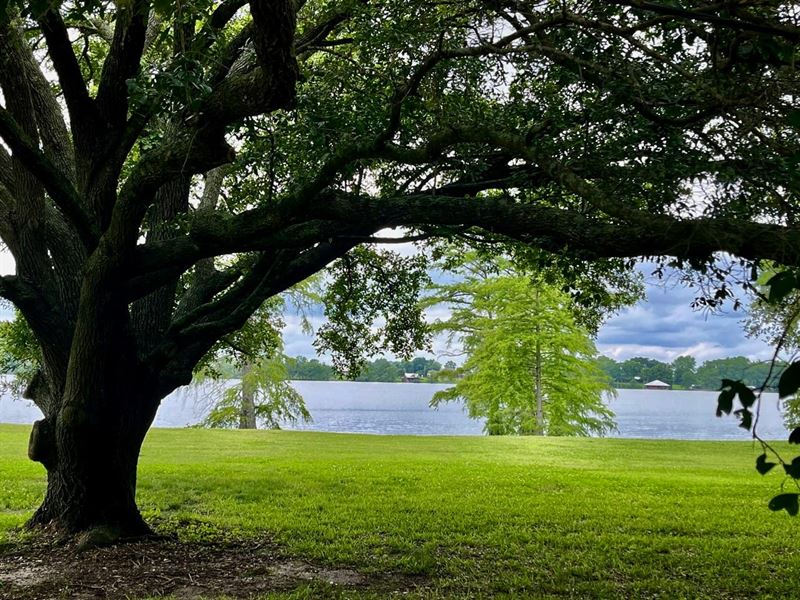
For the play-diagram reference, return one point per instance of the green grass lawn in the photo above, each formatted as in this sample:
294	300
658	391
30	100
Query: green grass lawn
475	517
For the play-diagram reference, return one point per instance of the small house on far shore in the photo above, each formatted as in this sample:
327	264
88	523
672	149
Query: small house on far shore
411	377
657	384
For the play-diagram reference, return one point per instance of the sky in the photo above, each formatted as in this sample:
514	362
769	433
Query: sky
662	326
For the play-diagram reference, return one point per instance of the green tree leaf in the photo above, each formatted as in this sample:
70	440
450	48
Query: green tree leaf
790	380
725	401
746	396
787	502
762	466
793	468
781	285
746	418
794	437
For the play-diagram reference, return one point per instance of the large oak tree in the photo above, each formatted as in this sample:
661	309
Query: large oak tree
165	167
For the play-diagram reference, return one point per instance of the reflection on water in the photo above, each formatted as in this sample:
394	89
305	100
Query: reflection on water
402	408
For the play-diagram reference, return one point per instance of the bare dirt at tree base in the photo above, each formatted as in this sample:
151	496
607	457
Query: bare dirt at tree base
42	571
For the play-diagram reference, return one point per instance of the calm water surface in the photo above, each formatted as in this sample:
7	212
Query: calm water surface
402	408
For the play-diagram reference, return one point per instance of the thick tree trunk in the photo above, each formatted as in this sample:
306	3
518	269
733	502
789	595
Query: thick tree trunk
94	492
91	463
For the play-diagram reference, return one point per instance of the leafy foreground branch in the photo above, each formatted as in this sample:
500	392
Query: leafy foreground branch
779	304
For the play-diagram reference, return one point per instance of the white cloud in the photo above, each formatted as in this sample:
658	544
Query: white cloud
663	327
702	351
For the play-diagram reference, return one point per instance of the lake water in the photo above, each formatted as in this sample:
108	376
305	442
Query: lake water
402	408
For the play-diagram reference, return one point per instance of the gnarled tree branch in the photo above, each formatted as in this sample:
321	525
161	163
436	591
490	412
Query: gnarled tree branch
191	338
707	14
82	110
58	186
122	62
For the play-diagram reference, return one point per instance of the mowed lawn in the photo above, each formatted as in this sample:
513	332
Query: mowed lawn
470	517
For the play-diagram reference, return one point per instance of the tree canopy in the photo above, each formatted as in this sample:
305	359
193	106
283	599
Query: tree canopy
263	397
530	367
167	167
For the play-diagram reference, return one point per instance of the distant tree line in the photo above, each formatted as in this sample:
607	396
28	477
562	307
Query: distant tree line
684	373
681	373
381	369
